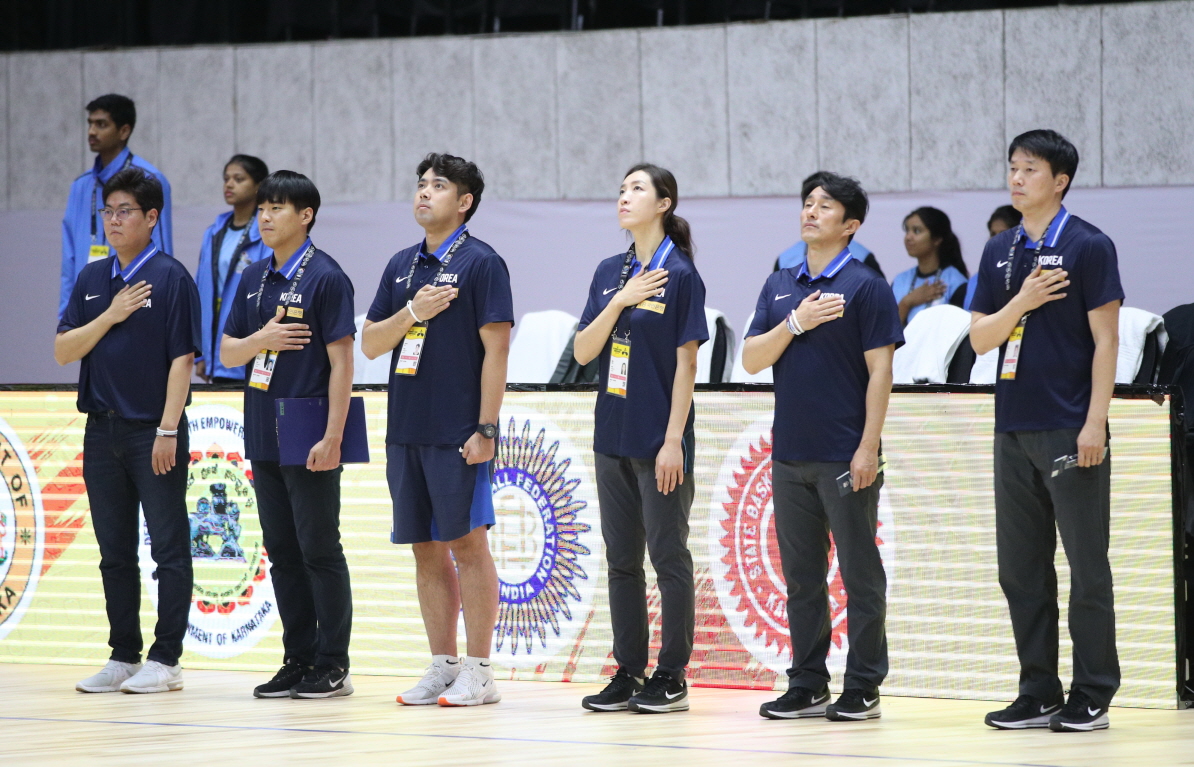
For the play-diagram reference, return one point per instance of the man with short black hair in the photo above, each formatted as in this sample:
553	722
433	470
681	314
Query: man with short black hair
829	327
133	319
1048	298
444	308
293	320
110	122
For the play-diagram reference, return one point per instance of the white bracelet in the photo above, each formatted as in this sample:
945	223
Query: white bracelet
410	308
163	433
794	326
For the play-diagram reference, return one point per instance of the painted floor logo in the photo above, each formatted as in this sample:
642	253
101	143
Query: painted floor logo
22	530
745	559
232	605
546	553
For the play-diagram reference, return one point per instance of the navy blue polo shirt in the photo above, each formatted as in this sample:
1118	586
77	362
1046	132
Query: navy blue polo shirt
821	378
440	404
127	370
1052	386
325	295
634	426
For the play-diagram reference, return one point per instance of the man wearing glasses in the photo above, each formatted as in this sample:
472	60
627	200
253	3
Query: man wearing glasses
133	319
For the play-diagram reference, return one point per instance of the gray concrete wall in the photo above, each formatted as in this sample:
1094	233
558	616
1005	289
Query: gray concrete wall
923	102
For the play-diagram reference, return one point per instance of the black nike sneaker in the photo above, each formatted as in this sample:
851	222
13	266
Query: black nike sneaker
854	705
287	677
662	694
796	703
1080	714
1025	714
323	682
622	686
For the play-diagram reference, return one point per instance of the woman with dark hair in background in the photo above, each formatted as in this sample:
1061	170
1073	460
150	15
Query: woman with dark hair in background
229	245
939	270
645	320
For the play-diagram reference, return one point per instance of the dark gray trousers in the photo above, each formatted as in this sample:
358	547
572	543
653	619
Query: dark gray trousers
807	508
636	516
1030	508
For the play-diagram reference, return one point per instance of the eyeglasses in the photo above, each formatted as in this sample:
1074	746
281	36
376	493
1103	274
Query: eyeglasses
120	214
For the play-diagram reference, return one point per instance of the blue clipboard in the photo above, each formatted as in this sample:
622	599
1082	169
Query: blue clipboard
303	421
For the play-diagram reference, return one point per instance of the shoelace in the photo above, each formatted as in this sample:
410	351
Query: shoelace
851	697
656	685
431	676
620	682
1078	704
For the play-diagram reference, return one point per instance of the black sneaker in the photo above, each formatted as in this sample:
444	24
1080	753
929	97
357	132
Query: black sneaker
854	705
796	703
661	695
288	676
615	695
1025	714
1080	714
323	682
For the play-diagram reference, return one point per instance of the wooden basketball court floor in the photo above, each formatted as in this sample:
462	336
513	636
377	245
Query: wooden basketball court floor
216	721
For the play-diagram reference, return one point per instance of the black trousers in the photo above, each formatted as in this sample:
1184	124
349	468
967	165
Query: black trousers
1030	508
300	526
118	472
636	516
807	508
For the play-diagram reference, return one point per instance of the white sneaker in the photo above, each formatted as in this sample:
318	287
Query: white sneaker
473	687
154	677
438	677
109	678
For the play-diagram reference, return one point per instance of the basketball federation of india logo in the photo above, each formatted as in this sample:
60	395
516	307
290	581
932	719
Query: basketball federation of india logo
542	541
745	558
232	604
22	530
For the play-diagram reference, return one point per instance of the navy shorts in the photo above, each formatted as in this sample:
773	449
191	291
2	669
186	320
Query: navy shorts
436	495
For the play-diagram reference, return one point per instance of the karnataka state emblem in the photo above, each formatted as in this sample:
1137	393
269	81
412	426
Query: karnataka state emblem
232	604
745	558
22	530
542	541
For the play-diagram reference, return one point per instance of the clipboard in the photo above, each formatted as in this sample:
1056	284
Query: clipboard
302	422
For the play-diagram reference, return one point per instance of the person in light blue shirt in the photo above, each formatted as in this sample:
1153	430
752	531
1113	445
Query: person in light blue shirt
1005	217
939	270
230	244
110	122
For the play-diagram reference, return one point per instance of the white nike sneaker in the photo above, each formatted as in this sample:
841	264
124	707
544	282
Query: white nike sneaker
438	677
474	686
109	678
154	677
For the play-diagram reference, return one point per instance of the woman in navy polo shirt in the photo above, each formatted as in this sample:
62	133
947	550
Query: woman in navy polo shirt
939	271
645	319
230	244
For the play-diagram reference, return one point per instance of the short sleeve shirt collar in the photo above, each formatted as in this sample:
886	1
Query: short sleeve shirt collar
135	265
438	255
835	266
292	264
1052	232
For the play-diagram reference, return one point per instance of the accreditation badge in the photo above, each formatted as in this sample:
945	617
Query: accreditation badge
1011	357
98	253
412	350
263	369
619	367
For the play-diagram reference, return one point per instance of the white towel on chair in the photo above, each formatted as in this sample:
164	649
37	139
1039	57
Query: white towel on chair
930	341
1134	327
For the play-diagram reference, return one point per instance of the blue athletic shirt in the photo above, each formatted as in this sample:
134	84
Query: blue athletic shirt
245	250
634	426
821	378
1052	386
907	281
128	369
325	295
439	405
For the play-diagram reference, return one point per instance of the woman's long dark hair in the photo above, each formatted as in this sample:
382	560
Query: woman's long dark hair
949	252
665	186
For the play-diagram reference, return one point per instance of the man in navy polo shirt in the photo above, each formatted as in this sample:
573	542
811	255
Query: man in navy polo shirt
133	319
1048	297
292	323
829	328
110	122
444	308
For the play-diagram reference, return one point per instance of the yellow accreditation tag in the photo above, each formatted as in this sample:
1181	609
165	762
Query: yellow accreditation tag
263	369
619	367
652	306
1011	357
412	350
98	253
294	311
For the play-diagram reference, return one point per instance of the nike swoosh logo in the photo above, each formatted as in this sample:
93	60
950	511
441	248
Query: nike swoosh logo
1093	711
785	295
869	703
252	294
669	696
1000	263
822	699
88	298
337	682
607	292
402	279
1048	710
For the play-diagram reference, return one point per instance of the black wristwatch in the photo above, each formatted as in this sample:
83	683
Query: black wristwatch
487	430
